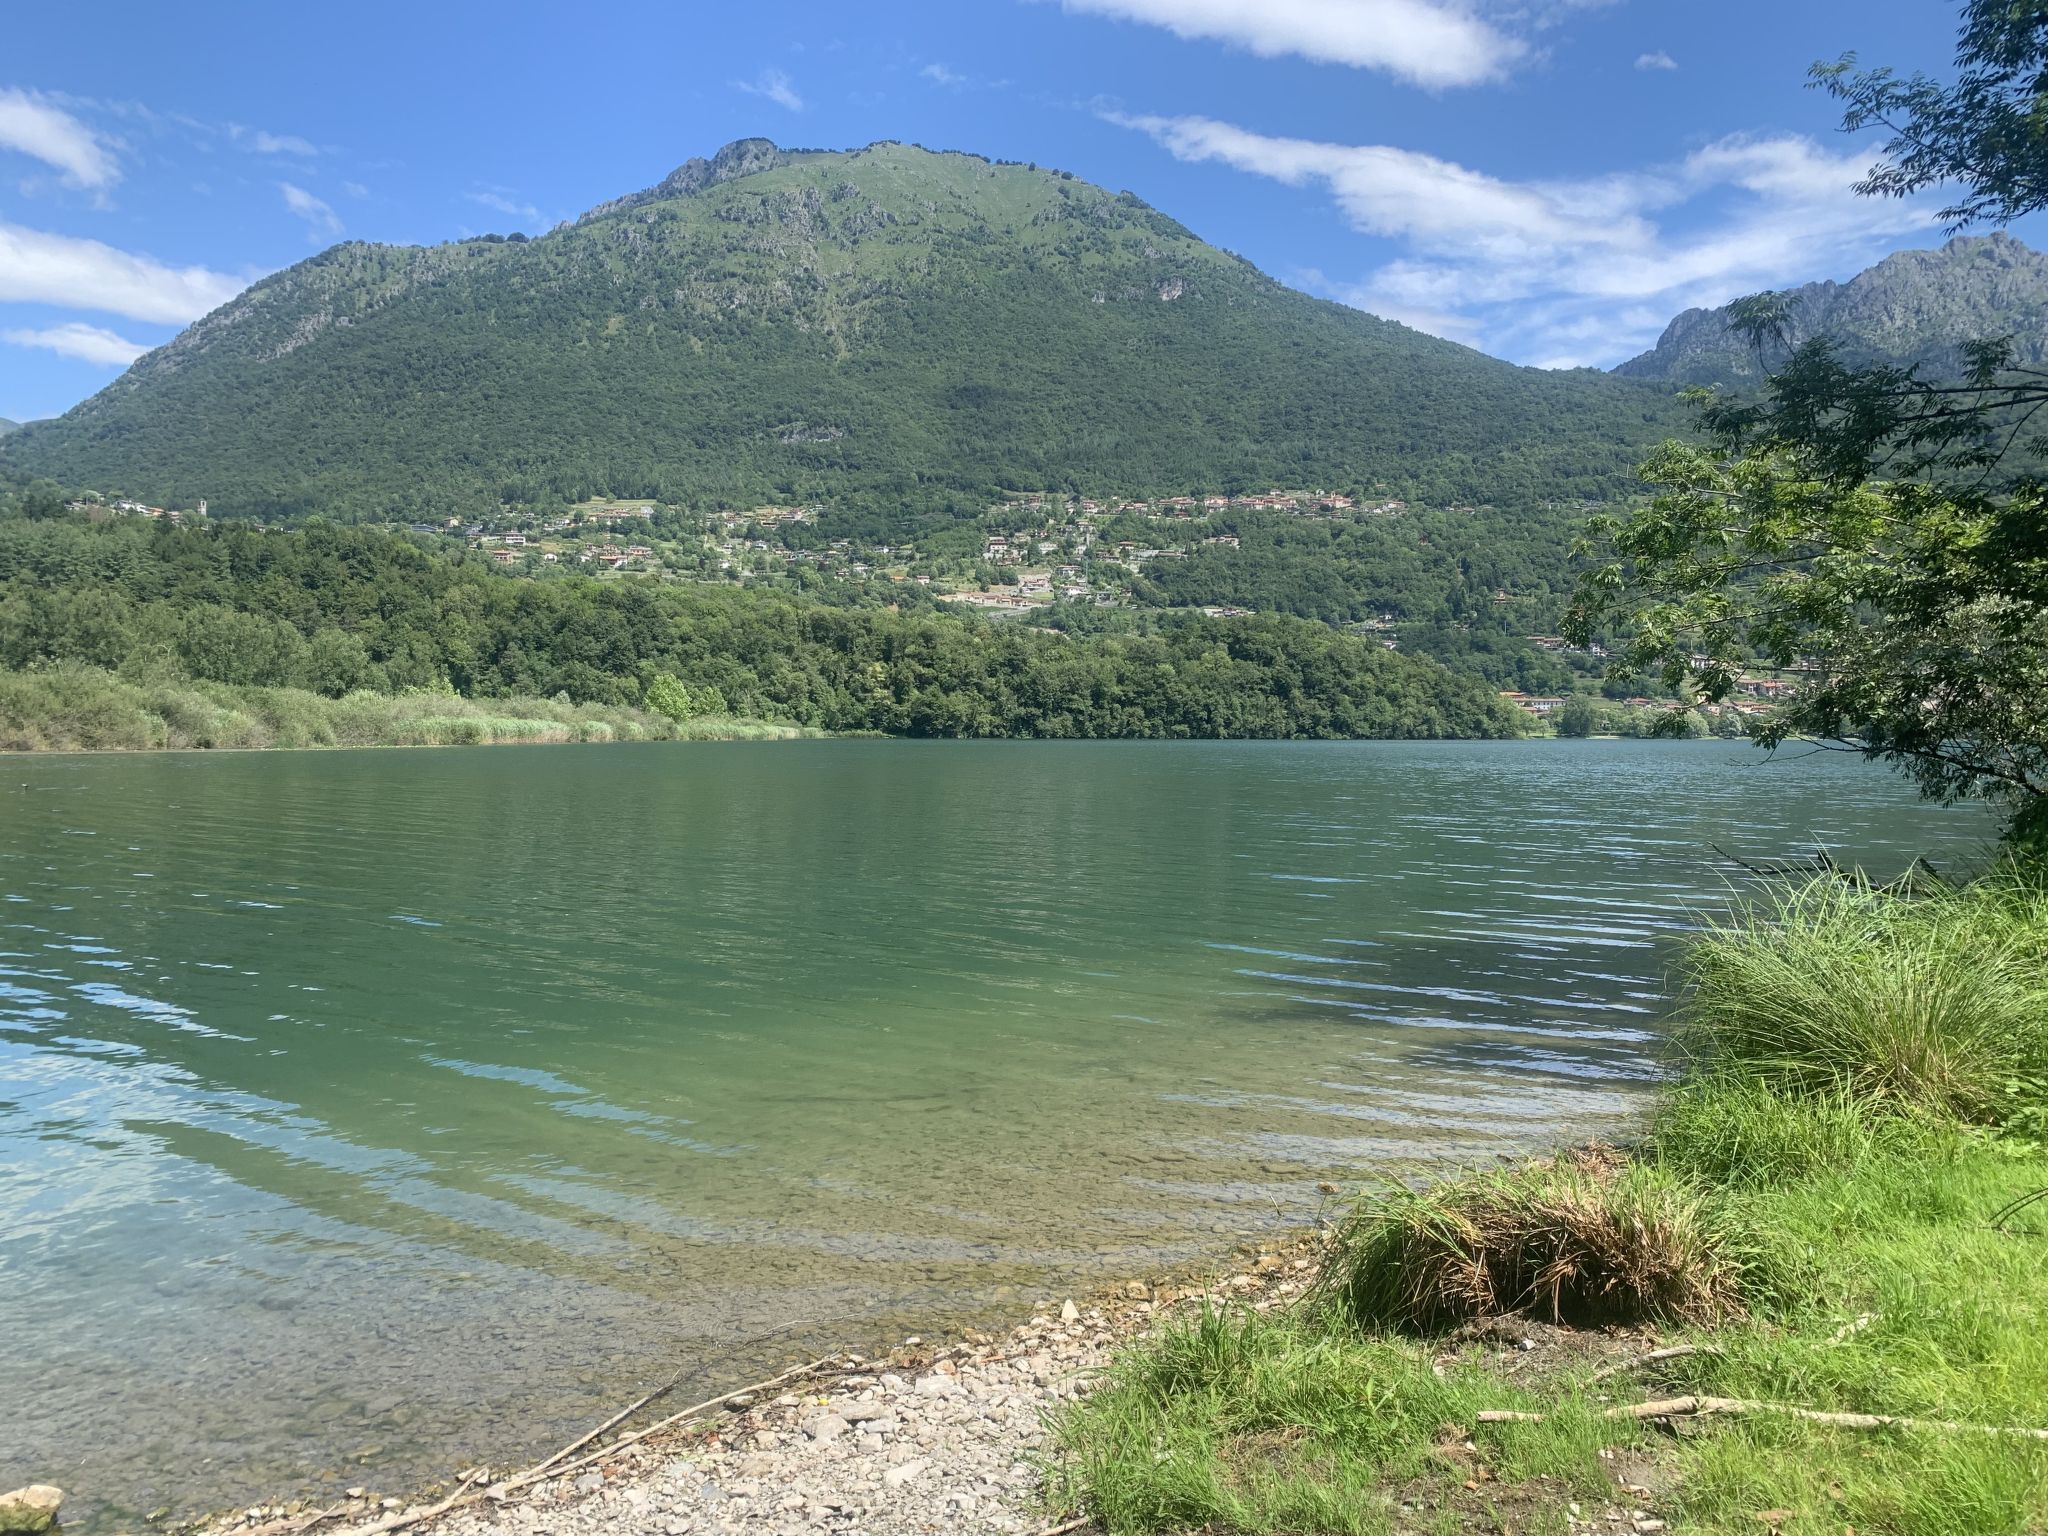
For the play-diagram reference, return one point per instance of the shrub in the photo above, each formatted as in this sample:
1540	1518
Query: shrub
1582	1238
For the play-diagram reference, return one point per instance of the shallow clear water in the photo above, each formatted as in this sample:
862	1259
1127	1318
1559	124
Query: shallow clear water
364	1113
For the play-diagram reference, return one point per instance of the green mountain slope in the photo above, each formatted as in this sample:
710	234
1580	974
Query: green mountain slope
1912	307
7	426
888	325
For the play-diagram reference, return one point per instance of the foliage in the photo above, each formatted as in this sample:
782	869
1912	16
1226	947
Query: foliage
890	329
1917	617
335	609
1886	532
1987	131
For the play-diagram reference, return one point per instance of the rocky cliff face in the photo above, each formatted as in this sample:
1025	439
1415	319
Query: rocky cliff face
742	157
1914	307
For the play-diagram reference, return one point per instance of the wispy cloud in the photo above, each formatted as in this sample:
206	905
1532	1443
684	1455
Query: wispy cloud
1657	60
1575	271
504	201
264	143
939	74
775	85
36	126
321	220
74	338
355	189
1433	43
37	267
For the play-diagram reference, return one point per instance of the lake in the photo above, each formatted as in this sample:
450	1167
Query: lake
364	1114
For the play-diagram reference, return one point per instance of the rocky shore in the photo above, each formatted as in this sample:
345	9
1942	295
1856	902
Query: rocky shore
938	1436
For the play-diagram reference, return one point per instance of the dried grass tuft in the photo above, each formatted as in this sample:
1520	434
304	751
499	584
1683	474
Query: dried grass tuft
1586	1238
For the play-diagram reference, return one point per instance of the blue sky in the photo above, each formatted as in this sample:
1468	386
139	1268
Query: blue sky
1550	180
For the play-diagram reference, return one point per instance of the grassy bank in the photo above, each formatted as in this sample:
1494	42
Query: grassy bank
86	709
1809	1227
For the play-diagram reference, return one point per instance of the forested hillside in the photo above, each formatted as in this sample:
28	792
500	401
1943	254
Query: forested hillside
887	329
336	610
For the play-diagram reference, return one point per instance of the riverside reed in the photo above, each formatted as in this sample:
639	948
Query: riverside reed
85	709
1807	1221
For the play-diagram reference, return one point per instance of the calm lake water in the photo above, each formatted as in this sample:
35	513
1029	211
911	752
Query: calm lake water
366	1113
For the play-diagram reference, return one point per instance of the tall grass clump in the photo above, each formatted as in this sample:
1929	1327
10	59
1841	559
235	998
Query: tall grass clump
1935	1004
1585	1238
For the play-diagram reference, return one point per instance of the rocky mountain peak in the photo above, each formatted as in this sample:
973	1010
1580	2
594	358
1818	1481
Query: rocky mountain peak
1913	307
742	157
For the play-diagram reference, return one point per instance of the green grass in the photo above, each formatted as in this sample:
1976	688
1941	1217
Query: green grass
86	709
1937	1003
1257	1422
1824	1172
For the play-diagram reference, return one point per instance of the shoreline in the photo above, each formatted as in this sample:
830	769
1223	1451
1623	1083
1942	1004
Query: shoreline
935	1435
777	733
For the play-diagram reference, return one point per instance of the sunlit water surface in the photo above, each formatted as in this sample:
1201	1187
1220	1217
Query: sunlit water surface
363	1114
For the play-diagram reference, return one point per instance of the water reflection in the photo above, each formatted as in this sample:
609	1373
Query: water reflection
366	1104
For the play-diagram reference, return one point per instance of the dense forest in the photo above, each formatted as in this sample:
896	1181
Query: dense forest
338	609
900	332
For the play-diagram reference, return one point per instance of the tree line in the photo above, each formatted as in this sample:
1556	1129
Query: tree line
340	609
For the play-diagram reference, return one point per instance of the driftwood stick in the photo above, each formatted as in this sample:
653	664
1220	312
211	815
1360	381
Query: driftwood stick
550	1468
618	1418
1700	1407
1064	1527
1674	1352
297	1523
535	1474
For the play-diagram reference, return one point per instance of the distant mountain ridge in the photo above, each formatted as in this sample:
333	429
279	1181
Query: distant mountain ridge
1913	307
890	326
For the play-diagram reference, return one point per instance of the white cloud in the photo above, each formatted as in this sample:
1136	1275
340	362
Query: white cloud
1573	271
1432	43
497	198
941	75
355	189
38	127
260	141
320	219
41	268
775	85
280	144
1657	60
74	338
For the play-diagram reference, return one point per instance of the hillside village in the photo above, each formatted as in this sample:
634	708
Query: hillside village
1045	557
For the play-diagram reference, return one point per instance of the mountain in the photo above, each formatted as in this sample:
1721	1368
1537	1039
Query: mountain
7	426
1914	307
889	326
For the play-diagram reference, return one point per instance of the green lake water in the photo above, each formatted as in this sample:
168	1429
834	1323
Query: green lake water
364	1114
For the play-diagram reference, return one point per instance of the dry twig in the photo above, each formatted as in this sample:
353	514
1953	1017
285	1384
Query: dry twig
1701	1407
553	1466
